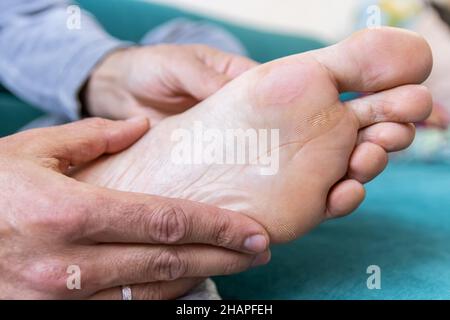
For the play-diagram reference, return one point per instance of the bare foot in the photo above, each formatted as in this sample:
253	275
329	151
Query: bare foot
327	148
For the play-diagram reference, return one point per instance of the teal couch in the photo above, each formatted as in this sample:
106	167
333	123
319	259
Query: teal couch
403	227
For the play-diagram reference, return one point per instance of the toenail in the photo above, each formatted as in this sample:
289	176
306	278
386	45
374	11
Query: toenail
261	259
256	243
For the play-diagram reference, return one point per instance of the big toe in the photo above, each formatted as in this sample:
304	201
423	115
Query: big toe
378	59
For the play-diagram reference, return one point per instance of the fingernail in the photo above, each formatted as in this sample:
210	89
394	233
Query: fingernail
256	243
261	259
138	119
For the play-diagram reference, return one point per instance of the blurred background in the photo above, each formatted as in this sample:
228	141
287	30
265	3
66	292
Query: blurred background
329	20
404	224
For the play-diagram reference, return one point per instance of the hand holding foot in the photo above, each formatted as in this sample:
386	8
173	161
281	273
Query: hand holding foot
327	149
159	81
65	239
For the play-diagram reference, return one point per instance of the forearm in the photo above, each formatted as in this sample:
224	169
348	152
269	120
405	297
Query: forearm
42	60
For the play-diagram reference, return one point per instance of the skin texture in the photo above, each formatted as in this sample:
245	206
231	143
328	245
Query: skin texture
159	81
328	149
49	221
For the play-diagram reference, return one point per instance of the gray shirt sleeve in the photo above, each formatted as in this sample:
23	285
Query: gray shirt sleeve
46	55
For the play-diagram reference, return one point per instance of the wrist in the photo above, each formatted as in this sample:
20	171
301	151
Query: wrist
105	89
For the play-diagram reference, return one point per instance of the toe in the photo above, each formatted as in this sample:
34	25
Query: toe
390	136
368	160
344	198
410	103
378	59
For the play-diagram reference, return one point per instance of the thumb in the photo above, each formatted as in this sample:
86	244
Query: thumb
83	141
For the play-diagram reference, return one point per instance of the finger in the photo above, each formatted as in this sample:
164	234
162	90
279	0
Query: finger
405	104
390	136
80	142
231	65
200	81
152	291
344	198
119	217
212	70
136	264
163	108
374	59
367	161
